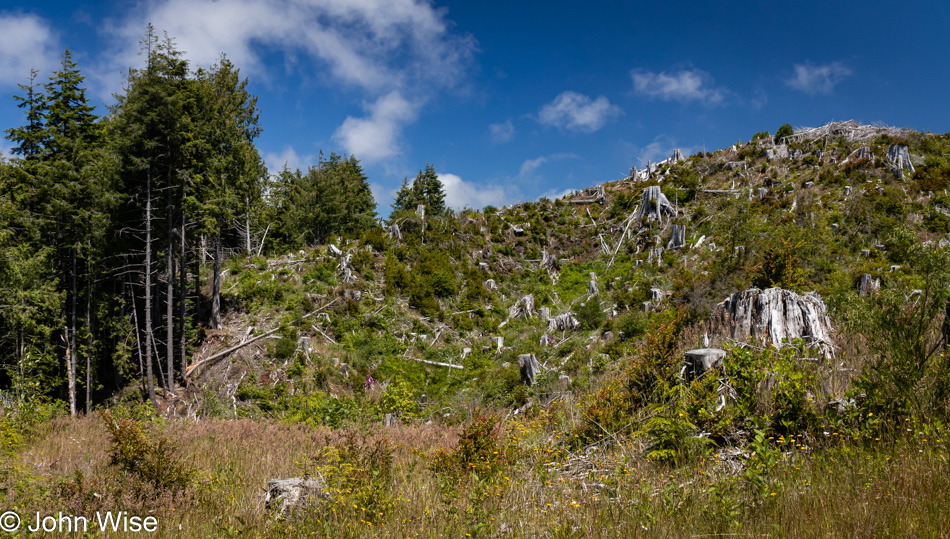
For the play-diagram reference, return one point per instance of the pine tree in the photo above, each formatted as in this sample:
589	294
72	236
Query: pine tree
30	138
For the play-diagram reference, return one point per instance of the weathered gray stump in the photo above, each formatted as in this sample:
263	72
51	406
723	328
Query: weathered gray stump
868	285
529	368
900	156
304	345
545	313
819	154
354	295
421	210
776	315
677	156
677	237
847	191
563	322
698	362
524	308
335	251
770	154
287	495
490	283
499	343
762	192
655	205
394	232
864	152
592	289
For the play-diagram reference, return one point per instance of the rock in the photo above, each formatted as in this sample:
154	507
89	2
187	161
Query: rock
529	368
284	496
677	237
698	362
776	315
655	205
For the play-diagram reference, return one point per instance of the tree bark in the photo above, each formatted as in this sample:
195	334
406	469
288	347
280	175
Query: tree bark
170	293
71	364
216	284
88	336
182	289
150	383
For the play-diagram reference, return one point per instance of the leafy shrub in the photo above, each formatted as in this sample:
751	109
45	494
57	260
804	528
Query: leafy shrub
482	451
780	265
153	462
785	130
359	472
906	376
589	313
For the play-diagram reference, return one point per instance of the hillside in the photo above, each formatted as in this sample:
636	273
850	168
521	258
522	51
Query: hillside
519	370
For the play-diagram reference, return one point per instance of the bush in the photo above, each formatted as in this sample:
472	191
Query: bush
785	130
906	375
153	462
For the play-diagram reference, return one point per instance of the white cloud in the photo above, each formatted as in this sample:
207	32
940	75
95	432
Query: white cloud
26	42
501	133
376	137
578	112
459	193
661	148
684	85
530	165
377	47
820	79
276	161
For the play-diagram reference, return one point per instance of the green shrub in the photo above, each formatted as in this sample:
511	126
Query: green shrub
154	462
785	130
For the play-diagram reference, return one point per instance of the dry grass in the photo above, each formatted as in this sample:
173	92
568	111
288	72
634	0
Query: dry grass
833	488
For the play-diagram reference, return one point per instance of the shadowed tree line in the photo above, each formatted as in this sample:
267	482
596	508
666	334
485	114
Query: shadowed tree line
113	227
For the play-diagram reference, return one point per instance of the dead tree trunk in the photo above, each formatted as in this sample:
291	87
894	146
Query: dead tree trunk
216	284
73	357
148	288
170	291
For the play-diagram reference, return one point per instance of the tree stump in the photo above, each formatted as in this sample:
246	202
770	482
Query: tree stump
868	285
677	237
529	368
524	308
655	205
698	362
900	156
394	232
563	322
287	495
778	316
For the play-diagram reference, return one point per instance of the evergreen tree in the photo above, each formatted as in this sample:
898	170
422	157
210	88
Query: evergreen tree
331	198
426	190
30	138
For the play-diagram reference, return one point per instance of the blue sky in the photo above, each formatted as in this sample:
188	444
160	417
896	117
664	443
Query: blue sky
511	102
